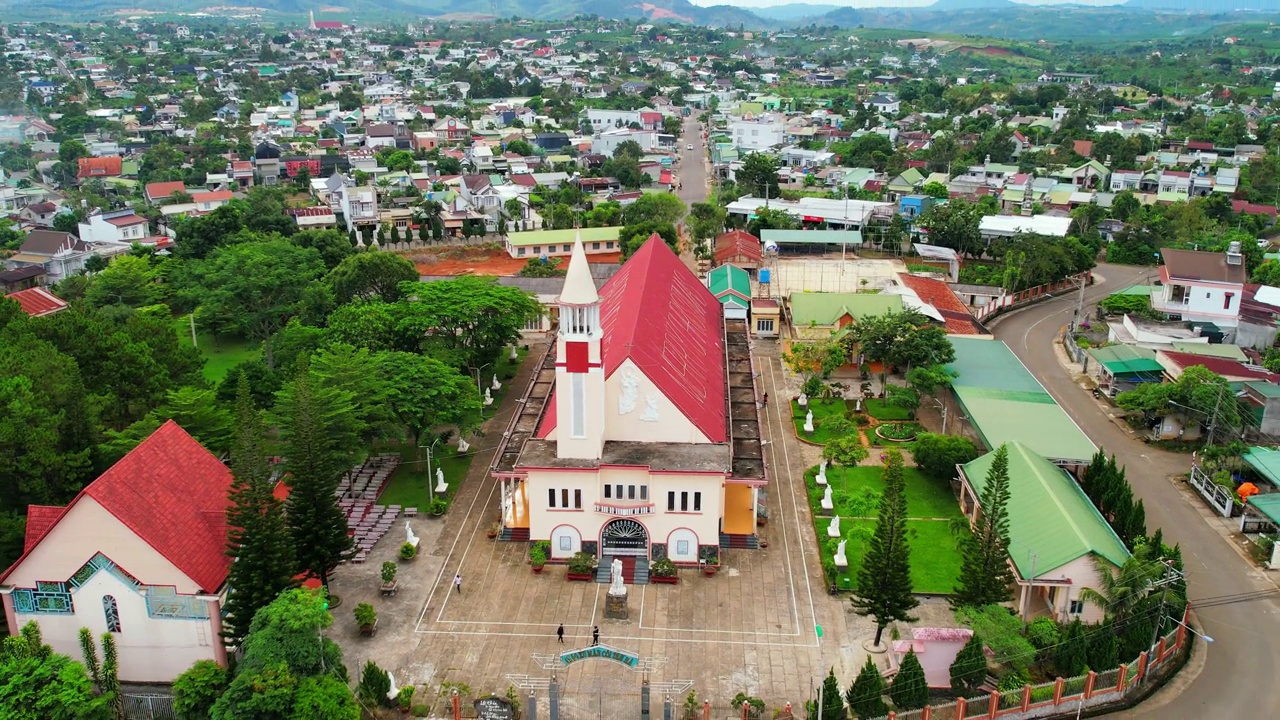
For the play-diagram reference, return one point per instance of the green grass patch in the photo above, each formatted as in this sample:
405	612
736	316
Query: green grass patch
935	553
822	410
410	485
850	487
876	408
221	352
878	441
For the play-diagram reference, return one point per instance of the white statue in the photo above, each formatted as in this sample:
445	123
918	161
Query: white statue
409	536
394	691
488	398
808	422
630	389
615	578
841	560
833	530
495	385
441	485
650	409
514	355
463	445
822	474
803	400
827	503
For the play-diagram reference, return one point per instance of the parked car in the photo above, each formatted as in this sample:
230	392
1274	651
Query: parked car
689	146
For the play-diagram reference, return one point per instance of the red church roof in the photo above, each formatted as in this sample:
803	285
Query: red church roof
172	494
656	313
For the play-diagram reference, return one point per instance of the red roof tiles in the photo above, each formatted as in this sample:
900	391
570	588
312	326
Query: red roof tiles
162	190
38	302
100	167
737	243
39	519
955	314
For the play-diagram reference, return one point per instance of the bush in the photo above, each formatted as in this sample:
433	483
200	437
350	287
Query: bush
537	556
1013	681
582	563
365	614
1001	630
388	573
969	670
910	689
846	450
374	684
1042	633
938	455
663	567
196	690
408	551
755	705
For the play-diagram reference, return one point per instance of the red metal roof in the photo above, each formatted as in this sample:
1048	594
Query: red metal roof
955	313
127	220
1221	366
100	167
172	494
735	243
38	302
162	190
656	313
212	196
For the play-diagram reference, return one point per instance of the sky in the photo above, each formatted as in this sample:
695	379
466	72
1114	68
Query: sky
882	3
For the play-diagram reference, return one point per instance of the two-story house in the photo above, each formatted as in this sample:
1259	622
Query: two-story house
359	206
630	454
118	226
1202	286
58	254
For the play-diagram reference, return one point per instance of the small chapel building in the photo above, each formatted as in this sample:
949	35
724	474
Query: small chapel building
639	438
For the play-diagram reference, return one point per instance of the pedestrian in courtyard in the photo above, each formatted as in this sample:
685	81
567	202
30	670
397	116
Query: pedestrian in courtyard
457	583
766	400
595	635
560	633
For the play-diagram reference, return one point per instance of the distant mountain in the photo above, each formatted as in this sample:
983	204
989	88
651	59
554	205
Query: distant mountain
1203	7
793	11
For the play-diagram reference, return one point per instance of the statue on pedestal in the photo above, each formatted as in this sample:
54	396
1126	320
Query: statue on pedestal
441	485
803	400
394	691
827	503
822	473
409	536
833	530
616	586
841	560
488	397
495	385
463	445
808	422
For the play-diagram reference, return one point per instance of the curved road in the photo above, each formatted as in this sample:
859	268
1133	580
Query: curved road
1242	664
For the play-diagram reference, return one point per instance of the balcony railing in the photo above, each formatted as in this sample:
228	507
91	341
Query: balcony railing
628	509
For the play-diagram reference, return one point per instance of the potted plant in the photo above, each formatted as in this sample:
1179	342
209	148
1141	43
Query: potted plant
709	558
493	530
408	551
405	699
538	556
388	577
366	618
581	566
710	569
437	506
663	571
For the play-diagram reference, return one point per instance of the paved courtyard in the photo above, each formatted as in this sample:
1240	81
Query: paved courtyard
748	629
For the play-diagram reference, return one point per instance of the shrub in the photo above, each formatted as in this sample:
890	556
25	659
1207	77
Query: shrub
938	455
365	614
437	505
408	551
865	697
405	697
374	684
910	689
755	705
196	690
1043	632
1001	630
969	669
846	450
582	563
1013	681
537	556
388	572
663	567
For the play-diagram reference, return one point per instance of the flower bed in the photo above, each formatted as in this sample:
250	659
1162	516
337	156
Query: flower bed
897	432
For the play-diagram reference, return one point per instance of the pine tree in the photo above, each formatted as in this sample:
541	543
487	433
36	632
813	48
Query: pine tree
1103	648
910	688
1137	526
832	700
89	651
884	580
865	697
1092	474
969	669
111	676
316	523
257	537
985	577
1072	656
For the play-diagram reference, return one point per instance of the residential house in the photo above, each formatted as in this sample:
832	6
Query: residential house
209	201
1201	286
762	134
740	248
631	458
117	226
91	168
21	278
38	302
314	217
816	315
40	214
159	193
58	254
139	553
884	103
559	243
359	206
1059	544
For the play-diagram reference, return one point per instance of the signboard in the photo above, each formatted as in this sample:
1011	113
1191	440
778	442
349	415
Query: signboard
494	708
602	652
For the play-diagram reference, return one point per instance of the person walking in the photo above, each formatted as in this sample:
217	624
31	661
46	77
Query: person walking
560	633
457	583
766	400
595	635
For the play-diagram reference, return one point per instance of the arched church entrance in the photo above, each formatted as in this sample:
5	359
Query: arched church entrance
628	541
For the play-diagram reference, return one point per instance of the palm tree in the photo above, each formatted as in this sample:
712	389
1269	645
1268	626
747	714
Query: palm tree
1139	579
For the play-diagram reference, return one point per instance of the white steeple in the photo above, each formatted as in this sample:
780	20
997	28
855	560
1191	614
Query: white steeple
579	288
312	15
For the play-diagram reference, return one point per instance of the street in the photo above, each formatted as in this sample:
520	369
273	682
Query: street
1241	664
692	172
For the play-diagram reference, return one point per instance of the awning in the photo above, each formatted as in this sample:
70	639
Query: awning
1264	461
1267	505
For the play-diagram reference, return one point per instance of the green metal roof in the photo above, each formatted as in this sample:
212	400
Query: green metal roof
1143	290
1217	350
559	237
827	308
812	237
728	282
1127	360
1265	389
1265	461
1051	521
1007	404
1268	505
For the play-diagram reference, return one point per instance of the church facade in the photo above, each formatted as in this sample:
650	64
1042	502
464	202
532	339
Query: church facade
645	442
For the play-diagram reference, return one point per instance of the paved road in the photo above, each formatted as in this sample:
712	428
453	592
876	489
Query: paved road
692	171
1243	661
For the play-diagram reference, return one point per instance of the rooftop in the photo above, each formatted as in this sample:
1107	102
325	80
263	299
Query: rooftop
826	309
1200	265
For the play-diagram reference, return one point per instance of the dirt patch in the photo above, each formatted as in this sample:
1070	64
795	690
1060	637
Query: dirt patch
986	50
656	13
464	260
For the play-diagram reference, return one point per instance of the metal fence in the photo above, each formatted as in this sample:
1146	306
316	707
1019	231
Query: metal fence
1218	497
149	706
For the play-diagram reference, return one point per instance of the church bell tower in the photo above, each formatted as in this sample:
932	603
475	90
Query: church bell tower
580	390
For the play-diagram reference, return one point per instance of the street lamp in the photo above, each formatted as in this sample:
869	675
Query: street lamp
1192	630
479	388
430	448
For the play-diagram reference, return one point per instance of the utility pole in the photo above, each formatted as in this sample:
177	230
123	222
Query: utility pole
1213	423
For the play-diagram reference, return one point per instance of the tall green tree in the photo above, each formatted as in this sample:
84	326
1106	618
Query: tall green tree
468	319
910	688
198	412
954	225
39	683
258	538
884	581
127	280
832	700
371	274
969	669
317	525
758	175
985	576
425	394
1071	657
865	697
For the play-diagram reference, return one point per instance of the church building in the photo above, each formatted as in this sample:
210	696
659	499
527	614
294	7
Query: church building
639	437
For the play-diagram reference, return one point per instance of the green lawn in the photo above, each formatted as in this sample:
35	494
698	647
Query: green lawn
931	507
822	410
878	441
410	485
221	353
876	408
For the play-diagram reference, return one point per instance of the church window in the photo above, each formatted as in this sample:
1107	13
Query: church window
578	414
112	613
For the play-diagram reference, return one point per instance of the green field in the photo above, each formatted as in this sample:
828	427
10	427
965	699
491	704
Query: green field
411	486
931	509
221	353
822	410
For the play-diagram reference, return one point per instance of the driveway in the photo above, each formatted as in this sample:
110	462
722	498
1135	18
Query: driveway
1242	663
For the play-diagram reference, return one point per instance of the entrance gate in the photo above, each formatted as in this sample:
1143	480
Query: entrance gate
624	537
606	698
